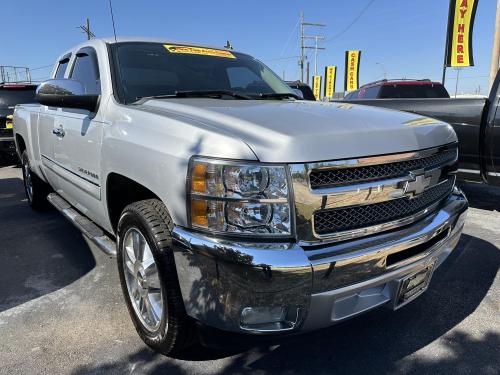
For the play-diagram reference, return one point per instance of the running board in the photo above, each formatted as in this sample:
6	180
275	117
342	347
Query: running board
84	224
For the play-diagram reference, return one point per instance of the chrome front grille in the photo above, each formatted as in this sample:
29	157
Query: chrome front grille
321	178
350	218
346	199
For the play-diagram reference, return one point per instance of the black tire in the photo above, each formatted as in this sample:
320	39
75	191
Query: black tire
176	330
36	190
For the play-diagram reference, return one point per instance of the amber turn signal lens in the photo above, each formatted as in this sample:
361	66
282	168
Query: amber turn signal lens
199	212
199	178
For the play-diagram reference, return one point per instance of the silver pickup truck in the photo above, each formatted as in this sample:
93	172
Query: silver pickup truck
229	202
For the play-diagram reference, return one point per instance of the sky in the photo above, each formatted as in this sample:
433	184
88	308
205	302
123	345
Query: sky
401	37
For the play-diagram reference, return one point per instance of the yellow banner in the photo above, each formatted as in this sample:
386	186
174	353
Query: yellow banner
460	26
317	87
352	70
190	50
330	73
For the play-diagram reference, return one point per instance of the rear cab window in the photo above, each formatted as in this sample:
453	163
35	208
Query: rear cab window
413	91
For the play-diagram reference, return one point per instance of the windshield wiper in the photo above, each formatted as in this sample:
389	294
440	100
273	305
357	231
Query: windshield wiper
210	93
278	95
198	94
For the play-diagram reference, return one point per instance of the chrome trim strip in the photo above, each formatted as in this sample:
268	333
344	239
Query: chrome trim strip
236	199
67	170
368	192
376	160
473	171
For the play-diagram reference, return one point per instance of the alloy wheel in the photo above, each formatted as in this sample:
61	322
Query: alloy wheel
142	279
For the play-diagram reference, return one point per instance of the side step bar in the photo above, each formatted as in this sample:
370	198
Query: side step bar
84	224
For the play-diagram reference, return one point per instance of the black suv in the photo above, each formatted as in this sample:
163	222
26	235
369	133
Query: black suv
10	95
392	89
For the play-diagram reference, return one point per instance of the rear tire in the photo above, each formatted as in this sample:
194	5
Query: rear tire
149	277
36	190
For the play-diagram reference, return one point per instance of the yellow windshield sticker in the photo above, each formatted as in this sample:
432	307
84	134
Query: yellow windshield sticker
190	50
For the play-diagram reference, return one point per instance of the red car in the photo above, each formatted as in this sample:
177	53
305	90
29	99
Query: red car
389	89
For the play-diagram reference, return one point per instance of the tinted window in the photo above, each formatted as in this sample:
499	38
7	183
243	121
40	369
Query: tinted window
9	97
371	93
413	91
61	68
86	71
148	69
352	95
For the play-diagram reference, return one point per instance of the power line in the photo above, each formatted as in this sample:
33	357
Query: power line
281	58
352	22
42	67
289	38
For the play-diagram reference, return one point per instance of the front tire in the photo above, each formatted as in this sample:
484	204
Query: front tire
36	190
149	277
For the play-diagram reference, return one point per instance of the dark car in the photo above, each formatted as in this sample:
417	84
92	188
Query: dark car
304	88
392	89
12	94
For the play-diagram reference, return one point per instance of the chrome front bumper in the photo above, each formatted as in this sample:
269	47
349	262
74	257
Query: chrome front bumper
322	286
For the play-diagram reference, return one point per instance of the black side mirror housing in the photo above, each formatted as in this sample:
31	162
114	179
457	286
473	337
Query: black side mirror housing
66	93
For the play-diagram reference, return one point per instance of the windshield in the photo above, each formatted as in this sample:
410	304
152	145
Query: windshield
150	69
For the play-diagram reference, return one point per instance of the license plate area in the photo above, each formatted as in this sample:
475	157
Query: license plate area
414	285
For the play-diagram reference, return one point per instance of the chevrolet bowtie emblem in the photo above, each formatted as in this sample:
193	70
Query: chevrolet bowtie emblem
416	185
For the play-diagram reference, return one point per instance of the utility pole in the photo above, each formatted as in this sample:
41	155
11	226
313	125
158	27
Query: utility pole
303	46
456	83
495	53
86	30
307	72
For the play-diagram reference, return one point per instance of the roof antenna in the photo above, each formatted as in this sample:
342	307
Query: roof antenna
112	18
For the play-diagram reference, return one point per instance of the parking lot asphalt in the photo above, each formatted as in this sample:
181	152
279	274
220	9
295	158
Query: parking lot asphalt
62	311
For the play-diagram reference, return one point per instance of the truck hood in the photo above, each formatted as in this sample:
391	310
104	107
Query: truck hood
300	131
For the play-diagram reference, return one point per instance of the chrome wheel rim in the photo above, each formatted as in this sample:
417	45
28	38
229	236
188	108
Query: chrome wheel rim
28	183
142	279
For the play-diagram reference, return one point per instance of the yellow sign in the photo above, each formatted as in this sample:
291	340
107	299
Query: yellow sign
317	87
460	26
330	75
352	70
191	50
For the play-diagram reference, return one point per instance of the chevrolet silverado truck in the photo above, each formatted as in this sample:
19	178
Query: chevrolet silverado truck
231	204
476	122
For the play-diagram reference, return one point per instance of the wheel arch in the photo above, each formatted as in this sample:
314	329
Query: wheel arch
122	191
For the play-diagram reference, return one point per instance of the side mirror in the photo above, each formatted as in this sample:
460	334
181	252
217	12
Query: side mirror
299	93
66	93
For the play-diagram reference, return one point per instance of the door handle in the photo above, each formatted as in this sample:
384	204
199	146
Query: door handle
59	131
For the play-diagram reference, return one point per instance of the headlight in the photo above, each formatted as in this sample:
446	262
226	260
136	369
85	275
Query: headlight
239	198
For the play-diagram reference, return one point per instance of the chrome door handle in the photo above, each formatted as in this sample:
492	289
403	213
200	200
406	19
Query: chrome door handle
59	132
